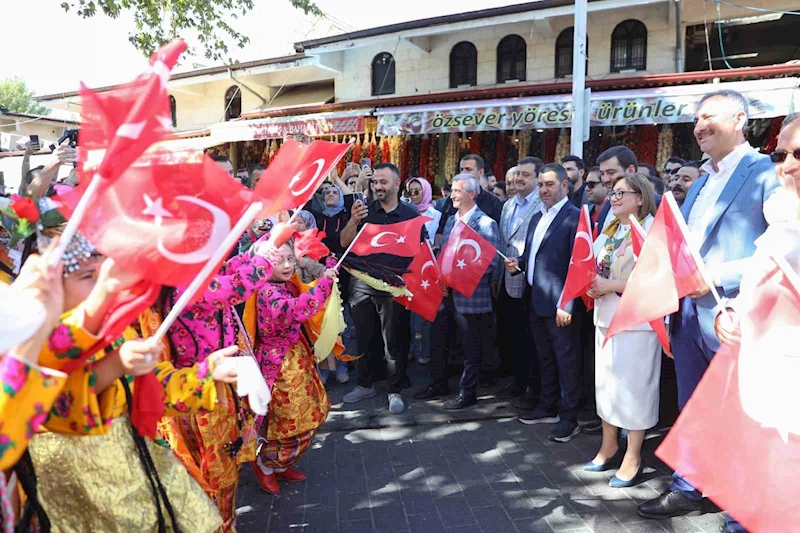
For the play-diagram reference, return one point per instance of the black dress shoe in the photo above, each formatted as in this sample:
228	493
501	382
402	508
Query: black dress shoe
431	392
669	504
460	402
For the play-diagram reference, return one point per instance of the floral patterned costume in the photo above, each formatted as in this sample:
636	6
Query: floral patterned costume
201	441
299	403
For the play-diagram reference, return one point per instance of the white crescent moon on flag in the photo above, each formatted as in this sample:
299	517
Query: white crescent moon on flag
426	265
320	165
219	230
375	242
585	236
473	244
131	130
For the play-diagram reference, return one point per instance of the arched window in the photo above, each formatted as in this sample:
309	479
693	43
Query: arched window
233	103
512	53
564	53
173	111
629	46
383	74
463	65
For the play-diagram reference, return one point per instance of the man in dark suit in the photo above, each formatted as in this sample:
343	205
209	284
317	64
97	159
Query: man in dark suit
470	164
556	332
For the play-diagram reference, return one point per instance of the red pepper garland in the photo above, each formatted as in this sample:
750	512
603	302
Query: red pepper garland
424	151
647	145
404	157
499	168
372	150
356	158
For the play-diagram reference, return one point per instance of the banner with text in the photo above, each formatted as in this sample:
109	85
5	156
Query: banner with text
620	108
277	128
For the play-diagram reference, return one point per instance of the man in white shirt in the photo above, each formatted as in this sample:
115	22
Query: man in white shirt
725	214
556	332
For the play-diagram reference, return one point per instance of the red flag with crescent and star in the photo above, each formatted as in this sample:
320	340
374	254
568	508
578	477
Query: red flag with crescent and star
165	216
292	178
402	238
422	281
582	265
665	272
738	438
465	259
120	124
638	236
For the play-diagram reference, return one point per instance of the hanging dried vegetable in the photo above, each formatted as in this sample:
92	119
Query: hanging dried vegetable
524	144
664	151
396	150
405	154
414	157
433	160
424	151
499	167
647	147
386	151
562	146
372	148
451	157
550	142
356	156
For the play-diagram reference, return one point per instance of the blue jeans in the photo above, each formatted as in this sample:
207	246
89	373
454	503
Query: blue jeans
420	337
341	369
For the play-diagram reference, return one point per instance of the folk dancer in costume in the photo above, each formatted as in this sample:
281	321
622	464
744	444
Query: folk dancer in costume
299	403
212	445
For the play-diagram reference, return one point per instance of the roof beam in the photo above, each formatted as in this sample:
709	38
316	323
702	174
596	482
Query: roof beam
422	44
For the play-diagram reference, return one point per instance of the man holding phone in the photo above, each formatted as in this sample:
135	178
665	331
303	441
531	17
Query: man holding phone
372	308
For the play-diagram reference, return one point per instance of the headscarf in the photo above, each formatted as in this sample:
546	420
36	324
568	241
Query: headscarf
308	218
427	194
338	208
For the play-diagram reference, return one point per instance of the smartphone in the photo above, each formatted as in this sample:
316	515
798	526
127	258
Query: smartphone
359	197
366	163
34	142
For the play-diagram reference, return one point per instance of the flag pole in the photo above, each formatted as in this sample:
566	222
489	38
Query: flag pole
74	221
349	247
701	265
207	270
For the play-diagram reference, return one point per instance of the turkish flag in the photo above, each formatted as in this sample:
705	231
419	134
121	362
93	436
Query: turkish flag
292	178
120	124
582	265
422	281
738	438
165	216
664	273
402	238
637	240
465	259
309	243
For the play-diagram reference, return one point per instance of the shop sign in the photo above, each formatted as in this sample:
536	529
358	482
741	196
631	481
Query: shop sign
609	109
278	128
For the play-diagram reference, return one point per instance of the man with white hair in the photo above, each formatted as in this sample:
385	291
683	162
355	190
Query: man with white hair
724	211
471	318
511	186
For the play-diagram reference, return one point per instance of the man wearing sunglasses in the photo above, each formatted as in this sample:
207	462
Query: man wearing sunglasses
724	211
671	169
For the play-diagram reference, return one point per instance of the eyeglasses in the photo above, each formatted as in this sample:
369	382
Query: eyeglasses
672	171
592	184
779	156
619	194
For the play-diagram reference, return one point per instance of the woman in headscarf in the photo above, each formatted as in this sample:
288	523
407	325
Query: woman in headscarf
419	190
338	203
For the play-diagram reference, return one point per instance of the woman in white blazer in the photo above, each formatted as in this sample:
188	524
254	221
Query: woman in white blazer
628	367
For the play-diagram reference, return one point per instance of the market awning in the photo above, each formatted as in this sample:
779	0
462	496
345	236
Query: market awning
304	95
767	99
337	123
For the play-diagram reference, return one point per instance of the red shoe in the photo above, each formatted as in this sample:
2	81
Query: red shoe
292	475
268	482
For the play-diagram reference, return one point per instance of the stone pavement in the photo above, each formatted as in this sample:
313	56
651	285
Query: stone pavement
477	470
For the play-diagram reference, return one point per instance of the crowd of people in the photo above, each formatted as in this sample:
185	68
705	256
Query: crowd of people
67	439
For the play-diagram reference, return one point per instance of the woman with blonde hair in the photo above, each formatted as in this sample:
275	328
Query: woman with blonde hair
628	366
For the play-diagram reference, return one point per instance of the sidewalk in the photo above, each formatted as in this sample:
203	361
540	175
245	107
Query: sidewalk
430	471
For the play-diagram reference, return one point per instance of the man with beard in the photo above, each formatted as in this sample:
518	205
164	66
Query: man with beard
671	169
576	170
372	308
686	176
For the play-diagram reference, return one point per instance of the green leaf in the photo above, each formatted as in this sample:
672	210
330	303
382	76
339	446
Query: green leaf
15	96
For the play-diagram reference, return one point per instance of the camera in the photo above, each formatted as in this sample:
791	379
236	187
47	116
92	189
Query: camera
72	135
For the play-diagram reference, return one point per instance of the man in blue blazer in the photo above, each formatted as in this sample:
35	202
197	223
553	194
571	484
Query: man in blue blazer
556	332
724	210
470	318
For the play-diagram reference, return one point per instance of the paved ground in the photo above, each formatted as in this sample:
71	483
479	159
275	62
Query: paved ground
478	470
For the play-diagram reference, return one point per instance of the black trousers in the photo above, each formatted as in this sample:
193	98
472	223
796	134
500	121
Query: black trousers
587	355
516	330
381	313
559	363
476	332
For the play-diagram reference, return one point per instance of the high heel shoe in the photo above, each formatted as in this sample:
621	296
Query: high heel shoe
617	483
614	462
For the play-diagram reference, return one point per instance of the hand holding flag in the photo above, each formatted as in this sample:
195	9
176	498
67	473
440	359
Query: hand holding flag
422	281
465	259
582	266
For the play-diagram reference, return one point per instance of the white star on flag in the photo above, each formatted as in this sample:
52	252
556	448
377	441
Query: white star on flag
461	264
401	239
156	209
425	284
161	70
